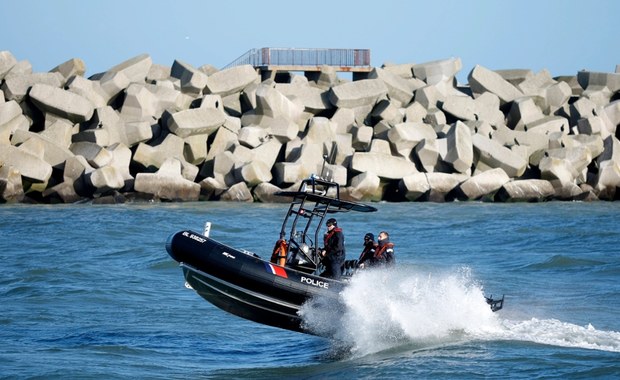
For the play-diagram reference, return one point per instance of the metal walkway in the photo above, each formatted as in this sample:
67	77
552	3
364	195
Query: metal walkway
290	59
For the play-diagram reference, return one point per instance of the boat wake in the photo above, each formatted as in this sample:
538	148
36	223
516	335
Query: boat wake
386	309
557	333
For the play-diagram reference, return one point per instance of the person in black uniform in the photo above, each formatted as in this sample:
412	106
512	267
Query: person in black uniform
368	253
333	252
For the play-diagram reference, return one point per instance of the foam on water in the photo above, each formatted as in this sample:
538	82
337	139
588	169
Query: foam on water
386	309
557	333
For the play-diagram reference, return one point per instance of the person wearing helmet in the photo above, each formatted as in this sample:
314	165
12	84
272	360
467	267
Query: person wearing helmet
333	254
367	255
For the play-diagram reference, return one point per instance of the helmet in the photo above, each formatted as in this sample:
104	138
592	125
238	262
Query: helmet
331	222
369	236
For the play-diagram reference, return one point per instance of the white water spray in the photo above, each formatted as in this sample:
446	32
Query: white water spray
385	309
382	309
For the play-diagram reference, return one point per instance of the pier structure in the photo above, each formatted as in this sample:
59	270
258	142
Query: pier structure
272	62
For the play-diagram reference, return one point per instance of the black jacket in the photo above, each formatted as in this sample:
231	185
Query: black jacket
334	245
368	253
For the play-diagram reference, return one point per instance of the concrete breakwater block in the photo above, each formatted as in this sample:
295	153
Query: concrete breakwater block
168	183
399	132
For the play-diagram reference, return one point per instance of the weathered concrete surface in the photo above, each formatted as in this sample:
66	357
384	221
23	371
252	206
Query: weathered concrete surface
266	192
460	106
53	153
287	173
523	111
168	183
427	154
11	187
483	185
405	136
383	165
139	104
562	176
495	155
96	155
414	186
460	148
193	81
121	160
105	179
7	61
172	147
267	152
74	67
484	80
590	78
527	190
272	103
253	173
238	192
231	80
195	149
30	165
362	136
387	112
398	88
9	111
359	93
437	71
135	69
15	88
20	68
313	99
365	187
210	188
196	121
608	180
61	102
441	184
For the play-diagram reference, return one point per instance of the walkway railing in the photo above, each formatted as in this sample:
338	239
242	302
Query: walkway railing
271	58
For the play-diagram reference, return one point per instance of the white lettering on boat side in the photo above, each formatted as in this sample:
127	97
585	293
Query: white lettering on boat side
228	255
315	282
194	237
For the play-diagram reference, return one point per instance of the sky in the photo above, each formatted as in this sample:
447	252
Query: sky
561	36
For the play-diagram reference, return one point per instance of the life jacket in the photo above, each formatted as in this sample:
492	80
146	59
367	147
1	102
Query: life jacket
279	252
380	250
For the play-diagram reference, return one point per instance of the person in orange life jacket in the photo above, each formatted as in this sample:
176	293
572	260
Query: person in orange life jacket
368	253
333	252
384	253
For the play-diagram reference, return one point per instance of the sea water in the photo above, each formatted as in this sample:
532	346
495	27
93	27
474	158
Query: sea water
88	291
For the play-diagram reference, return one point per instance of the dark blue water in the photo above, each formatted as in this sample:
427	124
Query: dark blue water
90	292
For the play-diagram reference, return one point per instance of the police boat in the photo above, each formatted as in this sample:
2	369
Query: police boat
272	291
